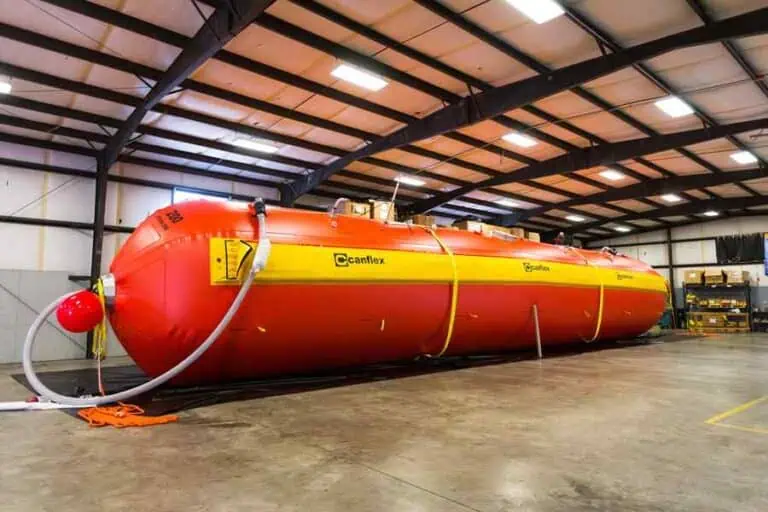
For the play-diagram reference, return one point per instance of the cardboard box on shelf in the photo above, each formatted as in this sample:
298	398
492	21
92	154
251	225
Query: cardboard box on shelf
704	320
714	277
519	232
423	220
534	236
736	276
694	277
382	211
353	208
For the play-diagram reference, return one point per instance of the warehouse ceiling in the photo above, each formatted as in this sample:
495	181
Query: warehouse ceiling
473	107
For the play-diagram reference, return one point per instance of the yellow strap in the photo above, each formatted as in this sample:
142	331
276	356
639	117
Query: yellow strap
454	291
602	302
100	331
602	294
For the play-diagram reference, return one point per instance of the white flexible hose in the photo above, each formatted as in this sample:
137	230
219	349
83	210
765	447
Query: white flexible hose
259	261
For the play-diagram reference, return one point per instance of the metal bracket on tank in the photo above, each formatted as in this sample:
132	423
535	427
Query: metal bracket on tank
110	289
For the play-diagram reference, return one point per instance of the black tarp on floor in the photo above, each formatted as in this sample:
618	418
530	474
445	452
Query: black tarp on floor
169	399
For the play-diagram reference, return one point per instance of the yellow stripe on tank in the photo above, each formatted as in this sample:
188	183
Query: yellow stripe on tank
304	263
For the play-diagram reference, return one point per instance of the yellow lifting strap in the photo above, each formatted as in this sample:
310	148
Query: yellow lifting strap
100	331
454	291
601	303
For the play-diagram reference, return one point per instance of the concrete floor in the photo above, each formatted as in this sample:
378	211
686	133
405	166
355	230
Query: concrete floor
611	430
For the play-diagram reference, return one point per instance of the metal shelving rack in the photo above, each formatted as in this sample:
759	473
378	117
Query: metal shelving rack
725	291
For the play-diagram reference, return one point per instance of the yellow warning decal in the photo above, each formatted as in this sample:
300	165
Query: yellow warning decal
229	259
306	263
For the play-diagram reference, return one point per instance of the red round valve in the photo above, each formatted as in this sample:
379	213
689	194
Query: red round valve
81	312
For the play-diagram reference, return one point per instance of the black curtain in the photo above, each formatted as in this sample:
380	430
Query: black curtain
740	248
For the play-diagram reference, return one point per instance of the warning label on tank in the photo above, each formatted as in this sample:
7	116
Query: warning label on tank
229	257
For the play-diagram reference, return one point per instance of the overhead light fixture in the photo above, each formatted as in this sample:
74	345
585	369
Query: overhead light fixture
359	77
575	218
711	213
612	175
519	139
674	107
622	229
407	180
743	157
255	145
671	198
540	11
5	86
507	202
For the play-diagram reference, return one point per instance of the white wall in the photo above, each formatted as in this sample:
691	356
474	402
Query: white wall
702	253
45	255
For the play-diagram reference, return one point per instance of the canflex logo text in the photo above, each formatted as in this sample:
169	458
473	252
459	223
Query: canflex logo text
342	259
538	267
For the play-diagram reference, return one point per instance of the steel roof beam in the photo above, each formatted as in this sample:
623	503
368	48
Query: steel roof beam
218	29
146	162
587	25
488	104
698	220
648	188
691	208
598	155
162	34
96	57
98	92
335	17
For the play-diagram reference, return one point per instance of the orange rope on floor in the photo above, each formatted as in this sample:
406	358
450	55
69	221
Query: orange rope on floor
121	416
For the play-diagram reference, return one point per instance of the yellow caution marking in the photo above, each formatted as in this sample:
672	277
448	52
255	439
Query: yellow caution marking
736	410
744	428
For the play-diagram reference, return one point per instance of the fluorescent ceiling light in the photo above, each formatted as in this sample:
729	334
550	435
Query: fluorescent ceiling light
671	198
743	157
575	218
255	145
359	77
622	229
407	180
5	86
519	139
540	11
711	213
674	107
507	202
612	175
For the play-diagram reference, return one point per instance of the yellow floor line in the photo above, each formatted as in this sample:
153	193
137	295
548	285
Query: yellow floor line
754	430
736	410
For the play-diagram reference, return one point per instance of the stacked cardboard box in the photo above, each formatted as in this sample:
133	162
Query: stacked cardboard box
423	220
473	226
694	277
534	236
714	277
383	211
736	276
357	209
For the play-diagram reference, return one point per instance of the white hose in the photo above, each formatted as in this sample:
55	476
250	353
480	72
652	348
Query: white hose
259	261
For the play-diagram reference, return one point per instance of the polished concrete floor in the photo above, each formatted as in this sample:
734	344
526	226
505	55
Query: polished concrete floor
612	430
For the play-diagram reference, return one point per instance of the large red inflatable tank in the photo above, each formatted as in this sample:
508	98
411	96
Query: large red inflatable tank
346	290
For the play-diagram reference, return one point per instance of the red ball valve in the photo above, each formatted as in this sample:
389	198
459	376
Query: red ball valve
81	312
